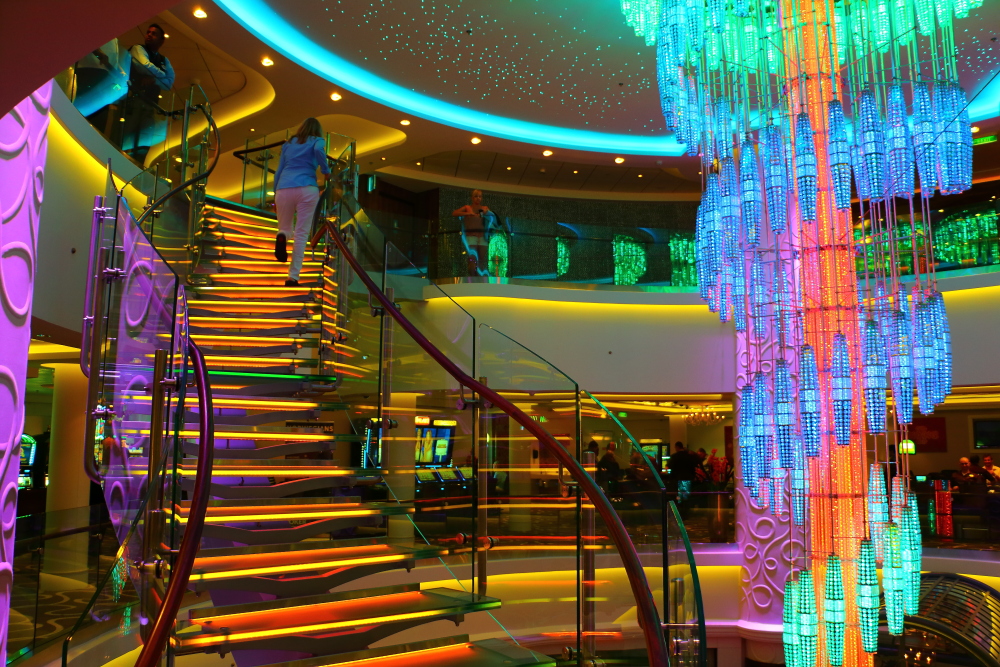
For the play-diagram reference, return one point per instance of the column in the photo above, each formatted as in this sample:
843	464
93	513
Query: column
67	500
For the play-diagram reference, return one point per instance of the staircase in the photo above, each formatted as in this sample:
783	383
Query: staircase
292	526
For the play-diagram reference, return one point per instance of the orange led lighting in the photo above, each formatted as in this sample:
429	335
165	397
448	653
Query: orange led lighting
256	264
223	360
301	629
219	470
240	518
250	403
247	341
261	435
248	307
252	322
406	659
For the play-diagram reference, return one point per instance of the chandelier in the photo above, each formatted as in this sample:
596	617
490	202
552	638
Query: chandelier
824	128
703	418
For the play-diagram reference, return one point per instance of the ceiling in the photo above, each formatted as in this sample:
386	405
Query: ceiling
544	66
568	63
499	169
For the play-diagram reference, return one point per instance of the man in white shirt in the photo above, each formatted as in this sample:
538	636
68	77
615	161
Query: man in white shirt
151	74
151	70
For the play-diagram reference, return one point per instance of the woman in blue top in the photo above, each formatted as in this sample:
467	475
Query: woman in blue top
297	192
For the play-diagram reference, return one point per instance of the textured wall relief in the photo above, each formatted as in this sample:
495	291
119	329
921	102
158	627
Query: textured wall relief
23	142
765	538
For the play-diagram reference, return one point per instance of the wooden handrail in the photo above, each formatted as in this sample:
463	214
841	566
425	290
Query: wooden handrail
649	619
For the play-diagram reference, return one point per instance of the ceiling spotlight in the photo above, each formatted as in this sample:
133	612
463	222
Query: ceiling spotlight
476	140
975	128
619	160
166	36
640	175
508	168
546	153
336	97
404	122
418	164
200	13
576	171
383	158
266	62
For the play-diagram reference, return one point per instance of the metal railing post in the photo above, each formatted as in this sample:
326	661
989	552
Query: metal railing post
589	571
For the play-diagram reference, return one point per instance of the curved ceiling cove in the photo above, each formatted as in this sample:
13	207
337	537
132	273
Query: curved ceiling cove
573	77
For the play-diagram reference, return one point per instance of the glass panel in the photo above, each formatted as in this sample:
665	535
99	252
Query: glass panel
533	508
58	560
631	481
685	618
136	431
429	445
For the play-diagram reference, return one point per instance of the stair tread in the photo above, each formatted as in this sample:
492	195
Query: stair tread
443	652
281	468
325	613
277	510
302	557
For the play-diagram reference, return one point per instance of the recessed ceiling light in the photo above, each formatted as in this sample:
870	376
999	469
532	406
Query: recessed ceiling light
383	158
476	140
418	164
542	170
546	153
508	168
251	129
975	128
640	175
166	36
619	160
177	159
940	210
200	13
336	97
404	122
266	62
576	171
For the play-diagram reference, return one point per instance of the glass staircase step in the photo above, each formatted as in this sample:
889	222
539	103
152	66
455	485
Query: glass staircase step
269	292
443	652
278	567
352	619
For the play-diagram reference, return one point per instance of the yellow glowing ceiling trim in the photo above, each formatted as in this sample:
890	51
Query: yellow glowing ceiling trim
298	567
300	629
223	360
262	435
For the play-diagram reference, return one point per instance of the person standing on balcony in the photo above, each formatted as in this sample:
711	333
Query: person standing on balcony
150	74
474	226
296	192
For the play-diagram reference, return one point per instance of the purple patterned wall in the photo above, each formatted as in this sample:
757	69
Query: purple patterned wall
23	134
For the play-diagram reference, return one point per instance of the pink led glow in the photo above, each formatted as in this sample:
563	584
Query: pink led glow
23	142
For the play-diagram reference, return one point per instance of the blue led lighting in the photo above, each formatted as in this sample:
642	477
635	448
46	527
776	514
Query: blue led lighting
840	156
805	167
809	406
270	27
